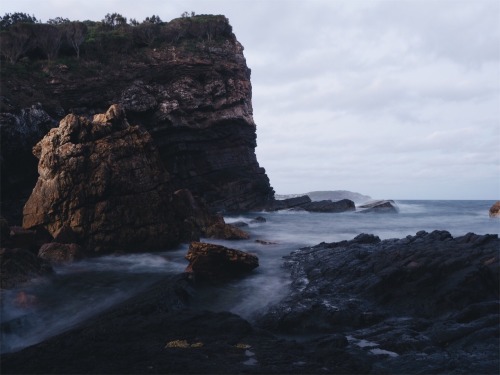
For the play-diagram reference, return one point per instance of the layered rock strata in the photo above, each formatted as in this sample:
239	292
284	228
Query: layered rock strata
192	93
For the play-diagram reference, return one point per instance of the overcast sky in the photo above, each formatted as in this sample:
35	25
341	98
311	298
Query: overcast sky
393	98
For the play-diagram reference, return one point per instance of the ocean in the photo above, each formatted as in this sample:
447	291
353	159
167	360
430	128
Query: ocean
81	290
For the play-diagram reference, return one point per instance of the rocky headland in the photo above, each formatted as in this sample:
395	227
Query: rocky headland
191	91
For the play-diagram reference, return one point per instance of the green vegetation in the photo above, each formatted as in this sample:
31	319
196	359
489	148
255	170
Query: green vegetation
24	37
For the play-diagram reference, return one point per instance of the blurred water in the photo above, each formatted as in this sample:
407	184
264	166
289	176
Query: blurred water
49	306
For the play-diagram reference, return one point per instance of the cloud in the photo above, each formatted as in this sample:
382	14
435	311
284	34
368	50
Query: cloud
389	98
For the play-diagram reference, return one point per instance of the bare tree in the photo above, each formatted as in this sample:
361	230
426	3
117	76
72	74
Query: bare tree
15	42
154	19
114	20
48	39
75	35
58	21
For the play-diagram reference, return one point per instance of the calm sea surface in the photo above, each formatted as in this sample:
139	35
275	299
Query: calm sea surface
83	289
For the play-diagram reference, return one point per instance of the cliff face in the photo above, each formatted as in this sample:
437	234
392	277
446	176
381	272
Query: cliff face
193	95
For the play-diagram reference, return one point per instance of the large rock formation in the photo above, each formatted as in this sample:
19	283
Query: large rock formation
102	185
192	92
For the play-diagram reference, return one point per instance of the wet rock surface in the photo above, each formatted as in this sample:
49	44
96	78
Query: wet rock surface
19	266
423	304
157	332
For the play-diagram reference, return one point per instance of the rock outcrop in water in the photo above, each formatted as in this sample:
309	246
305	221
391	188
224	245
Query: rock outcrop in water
380	207
495	210
192	92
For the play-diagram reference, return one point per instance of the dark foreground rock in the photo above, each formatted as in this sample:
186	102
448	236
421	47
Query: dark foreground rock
19	266
158	333
423	304
427	303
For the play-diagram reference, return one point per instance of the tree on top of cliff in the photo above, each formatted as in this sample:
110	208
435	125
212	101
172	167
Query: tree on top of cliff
114	20
58	21
105	39
10	19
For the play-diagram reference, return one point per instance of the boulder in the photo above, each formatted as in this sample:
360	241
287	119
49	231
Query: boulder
219	229
380	206
102	185
495	210
59	253
19	266
218	263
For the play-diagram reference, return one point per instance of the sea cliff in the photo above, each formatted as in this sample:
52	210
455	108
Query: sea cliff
190	90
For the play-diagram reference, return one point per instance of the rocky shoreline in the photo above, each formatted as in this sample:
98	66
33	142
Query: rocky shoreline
427	303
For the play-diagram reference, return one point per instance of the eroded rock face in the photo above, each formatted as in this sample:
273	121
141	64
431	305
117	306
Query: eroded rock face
102	185
495	210
218	263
